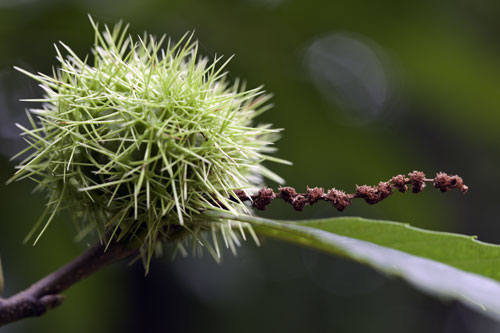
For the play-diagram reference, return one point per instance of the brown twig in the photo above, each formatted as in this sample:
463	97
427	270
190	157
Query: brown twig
45	294
340	200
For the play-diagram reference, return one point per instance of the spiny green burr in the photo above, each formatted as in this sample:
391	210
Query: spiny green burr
141	137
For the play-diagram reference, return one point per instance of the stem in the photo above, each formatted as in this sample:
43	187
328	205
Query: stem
45	294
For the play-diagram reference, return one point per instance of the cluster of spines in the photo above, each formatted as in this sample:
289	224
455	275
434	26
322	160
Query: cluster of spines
134	141
340	199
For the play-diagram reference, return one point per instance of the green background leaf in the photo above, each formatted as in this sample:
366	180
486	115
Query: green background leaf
443	264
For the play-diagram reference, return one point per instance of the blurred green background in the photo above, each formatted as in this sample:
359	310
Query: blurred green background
364	89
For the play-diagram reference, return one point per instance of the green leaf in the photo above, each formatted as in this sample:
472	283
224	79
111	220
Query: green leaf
447	265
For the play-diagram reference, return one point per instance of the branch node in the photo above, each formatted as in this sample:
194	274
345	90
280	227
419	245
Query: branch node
51	301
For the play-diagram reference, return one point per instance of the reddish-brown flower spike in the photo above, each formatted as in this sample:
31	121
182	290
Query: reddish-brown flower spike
339	199
299	202
464	189
417	180
400	182
315	194
445	182
240	194
368	193
264	197
384	189
287	193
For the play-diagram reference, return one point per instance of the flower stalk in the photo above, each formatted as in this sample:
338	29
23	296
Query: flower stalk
340	199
